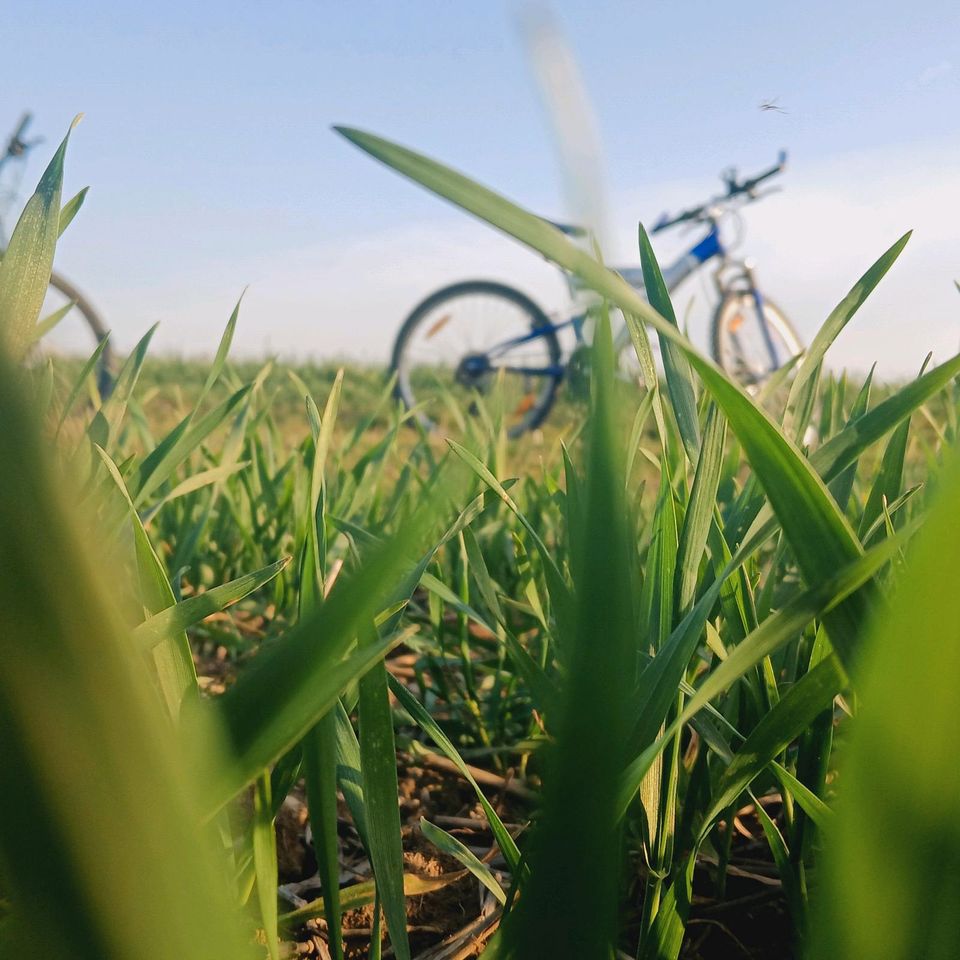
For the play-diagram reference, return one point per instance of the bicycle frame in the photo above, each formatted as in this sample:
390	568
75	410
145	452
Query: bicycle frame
705	250
708	248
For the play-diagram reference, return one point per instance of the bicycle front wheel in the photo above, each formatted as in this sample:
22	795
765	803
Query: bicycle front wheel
747	347
478	346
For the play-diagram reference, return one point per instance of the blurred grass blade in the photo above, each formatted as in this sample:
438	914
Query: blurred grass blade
320	743
288	688
898	814
574	125
262	728
568	907
92	779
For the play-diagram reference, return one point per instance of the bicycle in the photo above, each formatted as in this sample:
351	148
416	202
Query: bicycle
465	337
80	321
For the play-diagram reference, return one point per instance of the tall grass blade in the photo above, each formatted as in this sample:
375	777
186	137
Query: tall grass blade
818	533
568	905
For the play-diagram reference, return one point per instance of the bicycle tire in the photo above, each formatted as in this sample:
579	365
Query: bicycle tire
97	328
738	303
530	317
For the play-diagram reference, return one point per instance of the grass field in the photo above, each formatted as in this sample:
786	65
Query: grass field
282	674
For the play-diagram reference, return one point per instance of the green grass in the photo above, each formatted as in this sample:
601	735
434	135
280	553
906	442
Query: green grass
658	609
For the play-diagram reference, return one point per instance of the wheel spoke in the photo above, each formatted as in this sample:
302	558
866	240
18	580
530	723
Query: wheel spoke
461	343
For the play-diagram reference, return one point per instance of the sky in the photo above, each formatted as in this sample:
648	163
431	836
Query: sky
212	167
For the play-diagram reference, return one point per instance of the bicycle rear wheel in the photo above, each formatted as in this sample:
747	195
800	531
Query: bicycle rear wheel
78	330
740	346
477	344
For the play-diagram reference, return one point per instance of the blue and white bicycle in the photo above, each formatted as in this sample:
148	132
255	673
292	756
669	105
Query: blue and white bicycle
467	337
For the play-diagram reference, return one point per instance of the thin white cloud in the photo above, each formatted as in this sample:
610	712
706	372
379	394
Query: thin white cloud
811	243
933	74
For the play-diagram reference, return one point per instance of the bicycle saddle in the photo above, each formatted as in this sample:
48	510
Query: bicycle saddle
570	229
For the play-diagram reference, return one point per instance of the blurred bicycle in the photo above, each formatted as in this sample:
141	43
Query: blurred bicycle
466	337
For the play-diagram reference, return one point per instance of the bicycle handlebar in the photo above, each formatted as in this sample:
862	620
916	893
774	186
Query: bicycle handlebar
16	145
735	188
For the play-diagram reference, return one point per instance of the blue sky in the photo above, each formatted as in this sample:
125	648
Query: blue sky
207	147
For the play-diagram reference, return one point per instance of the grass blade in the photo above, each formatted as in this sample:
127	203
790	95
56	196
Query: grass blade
265	862
423	719
172	620
834	324
379	768
171	656
28	260
676	367
70	209
454	848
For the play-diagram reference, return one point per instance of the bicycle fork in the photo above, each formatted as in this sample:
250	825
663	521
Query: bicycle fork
764	326
745	273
